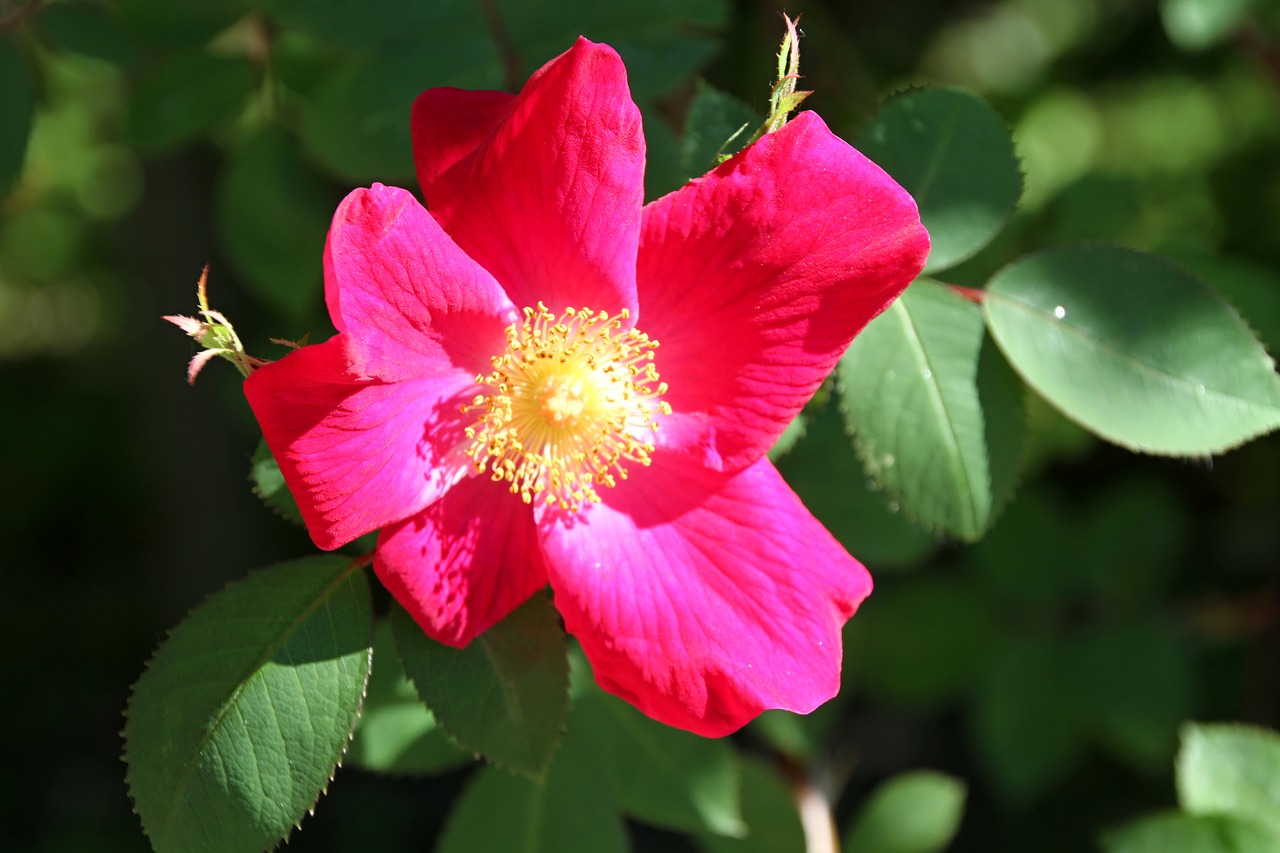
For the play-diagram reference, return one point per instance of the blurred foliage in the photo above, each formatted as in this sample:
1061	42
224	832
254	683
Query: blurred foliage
1048	666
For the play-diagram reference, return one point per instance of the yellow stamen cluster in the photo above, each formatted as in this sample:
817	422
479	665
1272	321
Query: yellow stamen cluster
569	405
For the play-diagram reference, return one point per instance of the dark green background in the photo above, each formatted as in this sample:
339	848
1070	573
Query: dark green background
1047	666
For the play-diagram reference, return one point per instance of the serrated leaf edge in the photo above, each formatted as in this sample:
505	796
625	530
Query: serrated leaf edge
871	468
224	708
1135	447
540	776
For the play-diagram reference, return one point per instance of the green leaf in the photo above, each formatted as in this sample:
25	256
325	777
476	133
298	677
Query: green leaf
936	414
824	471
17	111
273	214
718	125
1198	24
1179	833
1253	288
396	732
662	42
1023	720
773	824
268	484
571	811
1232	770
662	775
236	726
189	94
357	123
506	695
917	812
952	152
1135	349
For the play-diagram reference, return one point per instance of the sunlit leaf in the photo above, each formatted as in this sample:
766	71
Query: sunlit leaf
1180	833
952	152
1135	349
916	812
396	732
1197	24
824	471
505	696
1232	770
663	775
236	727
935	412
273	214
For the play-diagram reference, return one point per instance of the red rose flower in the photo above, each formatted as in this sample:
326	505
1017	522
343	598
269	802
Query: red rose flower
537	380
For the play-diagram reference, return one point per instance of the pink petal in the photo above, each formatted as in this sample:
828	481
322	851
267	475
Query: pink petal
464	562
755	278
409	300
705	598
550	201
358	454
447	124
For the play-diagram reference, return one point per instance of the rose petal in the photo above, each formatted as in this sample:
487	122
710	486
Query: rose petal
705	598
447	124
408	299
550	201
464	562
358	454
755	278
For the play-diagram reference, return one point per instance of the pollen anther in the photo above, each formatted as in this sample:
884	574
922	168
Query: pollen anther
566	406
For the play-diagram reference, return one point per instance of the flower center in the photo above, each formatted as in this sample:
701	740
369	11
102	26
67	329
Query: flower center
569	405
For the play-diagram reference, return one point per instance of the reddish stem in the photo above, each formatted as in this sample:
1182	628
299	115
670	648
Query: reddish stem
973	294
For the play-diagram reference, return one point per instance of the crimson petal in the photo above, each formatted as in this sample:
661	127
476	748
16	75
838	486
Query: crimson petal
755	278
357	454
408	300
704	598
464	562
550	200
